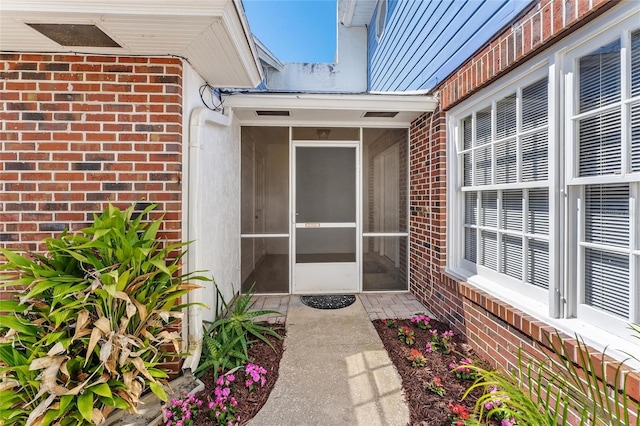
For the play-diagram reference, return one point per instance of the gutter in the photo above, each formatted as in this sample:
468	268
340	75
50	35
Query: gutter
200	117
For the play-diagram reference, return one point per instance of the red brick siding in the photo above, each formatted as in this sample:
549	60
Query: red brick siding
544	24
80	131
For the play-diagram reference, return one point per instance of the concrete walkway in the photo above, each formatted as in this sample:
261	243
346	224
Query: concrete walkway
334	371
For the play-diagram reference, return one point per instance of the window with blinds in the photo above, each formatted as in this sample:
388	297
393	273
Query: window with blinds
607	134
503	148
545	185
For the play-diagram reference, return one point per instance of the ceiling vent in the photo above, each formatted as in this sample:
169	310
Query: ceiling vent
273	113
75	35
380	114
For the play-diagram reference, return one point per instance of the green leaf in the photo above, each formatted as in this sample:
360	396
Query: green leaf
160	264
17	325
16	259
10	305
85	404
158	391
101	389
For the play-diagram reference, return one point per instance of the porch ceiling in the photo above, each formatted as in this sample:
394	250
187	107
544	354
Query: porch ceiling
212	35
335	109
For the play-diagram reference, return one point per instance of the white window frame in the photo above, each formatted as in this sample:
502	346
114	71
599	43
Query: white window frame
576	184
507	288
561	308
382	11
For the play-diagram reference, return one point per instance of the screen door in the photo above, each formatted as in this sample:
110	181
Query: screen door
325	219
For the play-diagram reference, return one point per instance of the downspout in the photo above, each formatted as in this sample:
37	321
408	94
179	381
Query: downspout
200	118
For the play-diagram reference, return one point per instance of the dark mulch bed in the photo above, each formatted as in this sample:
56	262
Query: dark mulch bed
249	403
426	407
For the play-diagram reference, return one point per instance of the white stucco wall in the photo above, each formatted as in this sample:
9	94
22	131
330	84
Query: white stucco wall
211	197
215	202
348	74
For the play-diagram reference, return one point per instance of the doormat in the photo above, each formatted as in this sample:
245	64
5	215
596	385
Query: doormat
335	301
373	267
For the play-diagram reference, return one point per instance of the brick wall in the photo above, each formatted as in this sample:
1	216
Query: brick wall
80	131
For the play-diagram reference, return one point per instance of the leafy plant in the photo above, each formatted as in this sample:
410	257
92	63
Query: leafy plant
406	335
220	353
223	408
421	321
181	411
389	322
441	342
255	375
435	386
84	331
417	359
238	321
544	391
226	340
462	370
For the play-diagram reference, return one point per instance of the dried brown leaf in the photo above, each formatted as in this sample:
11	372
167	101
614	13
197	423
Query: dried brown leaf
103	324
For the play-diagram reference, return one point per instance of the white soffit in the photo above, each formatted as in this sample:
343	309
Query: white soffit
322	109
211	34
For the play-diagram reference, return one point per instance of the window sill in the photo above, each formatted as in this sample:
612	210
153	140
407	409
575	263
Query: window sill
531	317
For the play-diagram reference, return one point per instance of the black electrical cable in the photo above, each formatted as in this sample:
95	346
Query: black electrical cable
201	90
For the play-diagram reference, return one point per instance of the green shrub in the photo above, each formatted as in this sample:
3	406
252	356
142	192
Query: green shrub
226	340
83	334
543	391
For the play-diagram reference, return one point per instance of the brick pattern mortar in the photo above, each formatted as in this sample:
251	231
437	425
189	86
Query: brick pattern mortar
78	132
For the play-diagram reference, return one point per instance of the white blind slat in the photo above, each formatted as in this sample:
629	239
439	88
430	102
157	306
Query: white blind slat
538	214
489	212
506	161
535	105
607	215
483	166
506	117
489	243
635	137
607	281
483	126
512	256
535	156
538	263
635	63
470	244
600	144
467	133
512	210
599	77
470	208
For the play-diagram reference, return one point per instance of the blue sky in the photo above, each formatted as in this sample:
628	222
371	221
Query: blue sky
295	30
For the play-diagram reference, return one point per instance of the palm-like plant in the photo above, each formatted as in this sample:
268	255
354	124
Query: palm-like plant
550	390
84	332
226	340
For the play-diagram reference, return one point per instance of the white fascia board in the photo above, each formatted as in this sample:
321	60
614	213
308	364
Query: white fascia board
139	7
267	56
247	45
347	14
363	102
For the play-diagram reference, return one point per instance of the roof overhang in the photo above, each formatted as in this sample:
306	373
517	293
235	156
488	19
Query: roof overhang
213	35
307	109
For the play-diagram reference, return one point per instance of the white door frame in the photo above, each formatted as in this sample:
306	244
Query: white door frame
335	277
